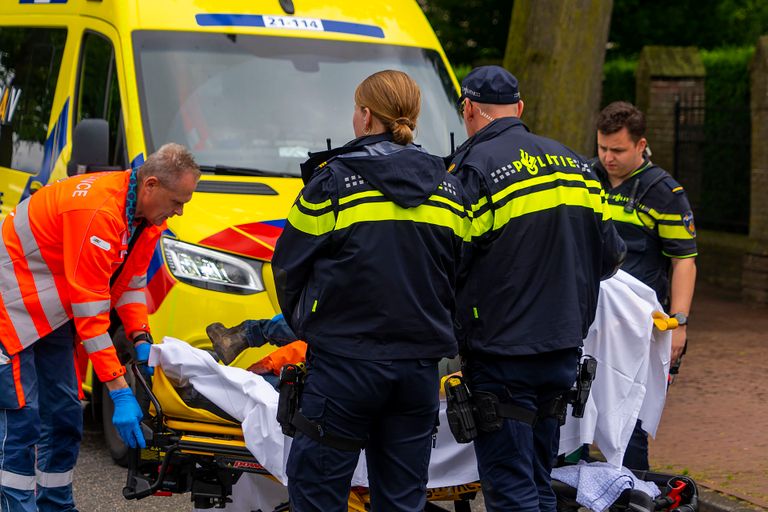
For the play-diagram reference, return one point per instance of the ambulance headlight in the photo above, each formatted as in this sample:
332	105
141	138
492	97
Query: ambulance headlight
213	270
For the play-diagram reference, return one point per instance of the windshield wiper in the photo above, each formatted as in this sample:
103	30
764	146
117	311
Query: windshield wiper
246	171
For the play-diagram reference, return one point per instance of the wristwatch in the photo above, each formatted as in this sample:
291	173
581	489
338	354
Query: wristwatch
145	336
682	318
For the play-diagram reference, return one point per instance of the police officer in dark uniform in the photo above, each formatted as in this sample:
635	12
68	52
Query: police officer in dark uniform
541	241
365	271
653	216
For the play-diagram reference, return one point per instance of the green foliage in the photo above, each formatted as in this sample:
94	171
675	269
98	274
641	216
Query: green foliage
727	75
619	80
472	32
725	185
476	31
461	71
712	24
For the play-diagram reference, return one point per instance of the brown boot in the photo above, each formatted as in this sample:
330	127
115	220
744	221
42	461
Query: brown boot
227	343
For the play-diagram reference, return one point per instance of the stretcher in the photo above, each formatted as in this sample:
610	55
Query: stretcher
195	447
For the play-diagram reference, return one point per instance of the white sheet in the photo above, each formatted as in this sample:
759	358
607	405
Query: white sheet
250	399
633	362
633	365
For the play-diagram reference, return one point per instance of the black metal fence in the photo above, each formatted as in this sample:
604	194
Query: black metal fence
712	162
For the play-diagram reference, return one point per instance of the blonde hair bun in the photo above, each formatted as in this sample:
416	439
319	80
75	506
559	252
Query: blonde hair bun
395	99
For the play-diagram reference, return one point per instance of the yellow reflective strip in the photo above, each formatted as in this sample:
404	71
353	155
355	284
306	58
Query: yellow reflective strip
619	215
537	181
483	200
605	206
374	212
475	313
314	306
314	206
679	257
360	195
674	232
667	216
676	189
482	224
545	200
311	224
376	193
445	200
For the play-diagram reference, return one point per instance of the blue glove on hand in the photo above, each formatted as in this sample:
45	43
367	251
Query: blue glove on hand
142	356
127	417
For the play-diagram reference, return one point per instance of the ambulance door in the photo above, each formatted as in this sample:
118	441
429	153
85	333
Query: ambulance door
32	131
98	91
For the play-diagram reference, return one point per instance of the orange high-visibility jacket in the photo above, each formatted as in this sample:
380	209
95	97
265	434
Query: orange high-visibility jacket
58	251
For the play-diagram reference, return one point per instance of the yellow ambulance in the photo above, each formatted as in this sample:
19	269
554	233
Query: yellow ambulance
250	86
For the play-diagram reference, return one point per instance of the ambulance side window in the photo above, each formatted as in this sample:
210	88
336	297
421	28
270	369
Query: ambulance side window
30	60
99	93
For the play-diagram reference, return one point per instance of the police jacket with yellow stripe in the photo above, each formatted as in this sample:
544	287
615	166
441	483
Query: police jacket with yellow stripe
366	265
653	216
541	241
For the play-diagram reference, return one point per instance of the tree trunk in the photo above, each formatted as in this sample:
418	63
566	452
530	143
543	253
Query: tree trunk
556	49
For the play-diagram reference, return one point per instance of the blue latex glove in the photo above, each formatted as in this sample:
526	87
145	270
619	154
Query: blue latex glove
127	417
142	358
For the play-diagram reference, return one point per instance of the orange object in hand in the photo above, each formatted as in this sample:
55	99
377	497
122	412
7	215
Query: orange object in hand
295	352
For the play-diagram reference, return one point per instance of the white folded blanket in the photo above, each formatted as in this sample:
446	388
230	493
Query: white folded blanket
598	484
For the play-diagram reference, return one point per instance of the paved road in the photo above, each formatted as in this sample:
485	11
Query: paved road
99	483
714	423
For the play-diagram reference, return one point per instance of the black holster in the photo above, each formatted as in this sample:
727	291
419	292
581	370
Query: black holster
290	418
290	387
459	410
579	394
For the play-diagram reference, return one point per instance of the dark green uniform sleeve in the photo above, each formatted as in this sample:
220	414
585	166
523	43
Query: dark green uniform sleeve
306	235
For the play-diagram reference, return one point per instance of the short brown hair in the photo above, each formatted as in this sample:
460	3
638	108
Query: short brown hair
168	163
621	114
395	99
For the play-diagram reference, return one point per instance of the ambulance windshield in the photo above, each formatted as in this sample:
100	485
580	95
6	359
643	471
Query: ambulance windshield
255	102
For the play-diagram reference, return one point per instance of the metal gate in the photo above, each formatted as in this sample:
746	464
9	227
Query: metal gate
712	162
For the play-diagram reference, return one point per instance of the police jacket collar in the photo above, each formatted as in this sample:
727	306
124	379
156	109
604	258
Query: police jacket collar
493	129
316	159
487	133
406	174
602	174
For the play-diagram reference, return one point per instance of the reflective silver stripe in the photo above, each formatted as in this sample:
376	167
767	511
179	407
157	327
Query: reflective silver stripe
17	481
97	343
12	300
51	303
138	281
54	479
94	308
132	298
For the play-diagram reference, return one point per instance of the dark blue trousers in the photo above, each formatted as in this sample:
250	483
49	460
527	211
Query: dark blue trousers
392	404
515	462
636	456
41	440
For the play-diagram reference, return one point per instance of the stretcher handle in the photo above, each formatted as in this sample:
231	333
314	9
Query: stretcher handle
131	493
148	390
663	322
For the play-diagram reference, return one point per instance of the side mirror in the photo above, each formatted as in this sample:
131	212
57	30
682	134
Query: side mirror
90	148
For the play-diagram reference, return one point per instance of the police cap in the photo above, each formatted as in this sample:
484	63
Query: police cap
490	84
